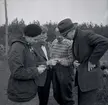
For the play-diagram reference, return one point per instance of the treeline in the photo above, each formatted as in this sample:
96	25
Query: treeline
16	29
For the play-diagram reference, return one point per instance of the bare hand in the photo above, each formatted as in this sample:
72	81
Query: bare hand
63	62
90	66
41	68
52	62
76	63
105	72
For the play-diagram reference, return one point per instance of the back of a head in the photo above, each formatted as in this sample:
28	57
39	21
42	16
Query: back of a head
32	30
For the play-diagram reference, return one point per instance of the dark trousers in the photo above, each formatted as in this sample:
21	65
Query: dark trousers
63	84
43	91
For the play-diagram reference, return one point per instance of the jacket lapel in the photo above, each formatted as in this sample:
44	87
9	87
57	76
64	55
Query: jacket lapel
39	50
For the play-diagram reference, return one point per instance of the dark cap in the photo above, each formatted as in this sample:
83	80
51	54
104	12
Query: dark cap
32	30
66	25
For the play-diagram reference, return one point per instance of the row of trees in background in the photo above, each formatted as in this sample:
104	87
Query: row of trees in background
16	29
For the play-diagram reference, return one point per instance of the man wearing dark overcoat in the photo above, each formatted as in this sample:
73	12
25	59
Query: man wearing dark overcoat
88	48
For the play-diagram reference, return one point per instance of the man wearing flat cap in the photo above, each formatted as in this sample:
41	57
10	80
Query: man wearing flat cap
24	68
87	49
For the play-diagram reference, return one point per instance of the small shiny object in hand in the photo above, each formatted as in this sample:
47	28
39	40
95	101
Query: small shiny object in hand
91	66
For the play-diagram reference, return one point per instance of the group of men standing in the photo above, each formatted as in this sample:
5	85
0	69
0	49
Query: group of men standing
34	65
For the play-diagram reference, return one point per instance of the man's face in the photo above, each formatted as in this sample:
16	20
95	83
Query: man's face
43	36
31	39
59	37
70	35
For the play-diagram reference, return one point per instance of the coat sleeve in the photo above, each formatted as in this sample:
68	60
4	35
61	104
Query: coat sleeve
100	45
16	64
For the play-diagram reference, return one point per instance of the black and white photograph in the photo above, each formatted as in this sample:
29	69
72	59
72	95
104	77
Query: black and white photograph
53	52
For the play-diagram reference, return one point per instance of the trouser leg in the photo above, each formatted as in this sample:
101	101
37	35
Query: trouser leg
43	91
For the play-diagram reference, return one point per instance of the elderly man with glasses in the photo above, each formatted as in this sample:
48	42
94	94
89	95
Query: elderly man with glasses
88	48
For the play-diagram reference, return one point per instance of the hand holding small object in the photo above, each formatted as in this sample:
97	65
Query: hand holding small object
105	72
76	63
91	66
63	62
41	68
52	62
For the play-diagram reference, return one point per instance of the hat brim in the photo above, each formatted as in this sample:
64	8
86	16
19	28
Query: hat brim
74	27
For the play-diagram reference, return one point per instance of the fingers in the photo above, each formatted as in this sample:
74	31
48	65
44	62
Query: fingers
41	68
52	62
76	63
91	66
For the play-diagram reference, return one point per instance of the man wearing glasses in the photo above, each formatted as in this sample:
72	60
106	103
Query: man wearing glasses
88	48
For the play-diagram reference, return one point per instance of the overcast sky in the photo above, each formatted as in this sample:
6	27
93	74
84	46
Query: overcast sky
79	11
